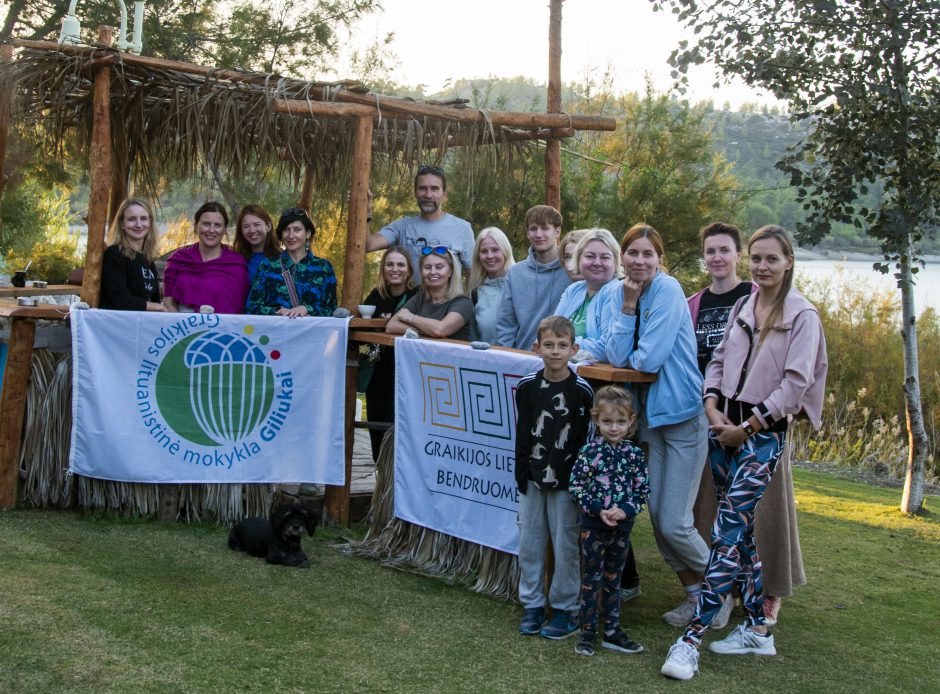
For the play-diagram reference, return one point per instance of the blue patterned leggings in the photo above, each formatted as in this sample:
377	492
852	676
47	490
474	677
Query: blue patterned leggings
741	476
604	553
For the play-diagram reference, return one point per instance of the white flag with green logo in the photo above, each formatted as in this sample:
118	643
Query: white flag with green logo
181	398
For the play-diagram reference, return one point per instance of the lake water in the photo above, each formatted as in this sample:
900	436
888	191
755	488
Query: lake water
926	289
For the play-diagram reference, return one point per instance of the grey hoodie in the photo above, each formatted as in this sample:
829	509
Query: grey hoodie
532	292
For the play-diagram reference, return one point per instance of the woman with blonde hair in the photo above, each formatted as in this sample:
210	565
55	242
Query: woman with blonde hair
585	303
771	365
566	253
394	288
128	274
492	258
439	309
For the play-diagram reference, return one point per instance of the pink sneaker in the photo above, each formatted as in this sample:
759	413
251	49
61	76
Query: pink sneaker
771	609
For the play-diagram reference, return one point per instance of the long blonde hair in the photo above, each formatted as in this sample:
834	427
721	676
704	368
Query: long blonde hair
117	235
477	273
782	236
454	284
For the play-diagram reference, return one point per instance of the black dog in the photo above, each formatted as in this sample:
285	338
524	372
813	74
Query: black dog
276	540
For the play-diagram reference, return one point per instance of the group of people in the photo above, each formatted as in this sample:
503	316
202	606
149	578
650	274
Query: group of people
258	276
734	364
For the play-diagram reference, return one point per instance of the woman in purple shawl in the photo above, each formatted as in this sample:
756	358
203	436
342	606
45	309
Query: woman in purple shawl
206	273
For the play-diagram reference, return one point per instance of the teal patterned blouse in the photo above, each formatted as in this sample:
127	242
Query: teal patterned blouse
313	277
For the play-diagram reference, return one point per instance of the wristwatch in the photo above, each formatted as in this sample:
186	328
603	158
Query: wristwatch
748	427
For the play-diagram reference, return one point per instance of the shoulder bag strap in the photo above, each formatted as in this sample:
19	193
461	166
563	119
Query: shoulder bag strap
291	289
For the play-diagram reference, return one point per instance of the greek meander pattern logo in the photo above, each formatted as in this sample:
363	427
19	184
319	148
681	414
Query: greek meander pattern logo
486	398
441	396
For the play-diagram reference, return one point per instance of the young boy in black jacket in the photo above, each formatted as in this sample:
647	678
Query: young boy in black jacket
553	423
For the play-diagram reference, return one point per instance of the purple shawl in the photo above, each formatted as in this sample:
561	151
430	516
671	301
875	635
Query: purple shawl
221	283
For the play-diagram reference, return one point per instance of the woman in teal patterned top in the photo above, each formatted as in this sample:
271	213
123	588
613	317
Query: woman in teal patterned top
296	283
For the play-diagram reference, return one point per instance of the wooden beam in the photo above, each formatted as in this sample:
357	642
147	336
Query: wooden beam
322	108
100	157
553	147
13	407
6	55
461	115
336	501
330	95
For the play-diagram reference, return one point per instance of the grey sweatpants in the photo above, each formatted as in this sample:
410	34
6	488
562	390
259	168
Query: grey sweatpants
676	457
544	514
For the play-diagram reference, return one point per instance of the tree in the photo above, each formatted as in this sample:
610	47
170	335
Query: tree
294	37
864	74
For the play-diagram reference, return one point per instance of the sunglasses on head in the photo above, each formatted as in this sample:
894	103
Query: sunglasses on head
294	211
425	169
436	250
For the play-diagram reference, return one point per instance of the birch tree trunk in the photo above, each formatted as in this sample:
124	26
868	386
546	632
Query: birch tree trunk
917	447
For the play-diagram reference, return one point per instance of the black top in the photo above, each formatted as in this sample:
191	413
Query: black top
382	384
553	422
713	312
127	285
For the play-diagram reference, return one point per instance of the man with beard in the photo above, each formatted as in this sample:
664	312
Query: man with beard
432	228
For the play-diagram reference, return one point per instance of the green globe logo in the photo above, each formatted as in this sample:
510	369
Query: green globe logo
214	388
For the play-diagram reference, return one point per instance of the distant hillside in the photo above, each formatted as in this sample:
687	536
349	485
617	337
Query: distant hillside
753	139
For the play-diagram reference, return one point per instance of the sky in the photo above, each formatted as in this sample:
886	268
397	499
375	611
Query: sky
448	40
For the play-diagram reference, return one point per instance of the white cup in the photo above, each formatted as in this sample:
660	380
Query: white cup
366	311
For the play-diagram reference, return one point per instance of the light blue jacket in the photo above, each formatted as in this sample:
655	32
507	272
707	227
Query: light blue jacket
598	313
666	347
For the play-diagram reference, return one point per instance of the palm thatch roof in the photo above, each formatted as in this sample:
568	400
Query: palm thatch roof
183	120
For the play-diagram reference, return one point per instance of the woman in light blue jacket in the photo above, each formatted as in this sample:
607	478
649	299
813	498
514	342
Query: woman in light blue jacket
586	303
651	330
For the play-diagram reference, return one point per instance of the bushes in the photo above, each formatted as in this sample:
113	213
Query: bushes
864	414
53	258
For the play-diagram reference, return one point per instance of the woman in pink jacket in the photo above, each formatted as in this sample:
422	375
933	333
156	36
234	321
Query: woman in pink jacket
770	364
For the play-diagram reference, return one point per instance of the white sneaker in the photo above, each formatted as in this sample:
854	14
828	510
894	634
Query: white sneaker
742	641
681	615
724	614
682	661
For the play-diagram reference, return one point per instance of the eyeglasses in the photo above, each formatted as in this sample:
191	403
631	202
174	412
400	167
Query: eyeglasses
436	250
294	212
425	169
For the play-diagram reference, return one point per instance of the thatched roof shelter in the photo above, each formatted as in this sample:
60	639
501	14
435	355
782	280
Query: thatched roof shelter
178	119
164	118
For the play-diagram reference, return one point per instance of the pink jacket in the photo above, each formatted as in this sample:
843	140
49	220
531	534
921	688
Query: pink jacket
783	376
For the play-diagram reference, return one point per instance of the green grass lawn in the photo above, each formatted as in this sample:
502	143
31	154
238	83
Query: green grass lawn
106	605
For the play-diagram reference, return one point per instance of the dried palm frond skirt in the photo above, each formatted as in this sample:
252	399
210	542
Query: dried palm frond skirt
44	459
409	547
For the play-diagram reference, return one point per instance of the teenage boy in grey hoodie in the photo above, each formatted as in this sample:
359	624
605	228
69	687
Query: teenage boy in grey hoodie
534	286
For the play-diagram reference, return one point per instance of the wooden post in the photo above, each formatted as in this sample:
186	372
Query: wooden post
6	56
306	191
99	198
553	147
336	501
119	180
13	406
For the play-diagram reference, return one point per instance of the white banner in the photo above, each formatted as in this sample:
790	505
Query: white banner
455	433
192	398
